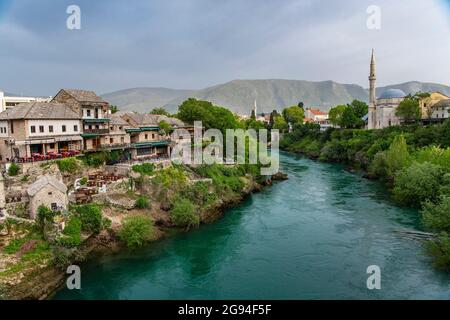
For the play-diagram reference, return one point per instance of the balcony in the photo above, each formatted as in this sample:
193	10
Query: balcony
96	131
114	146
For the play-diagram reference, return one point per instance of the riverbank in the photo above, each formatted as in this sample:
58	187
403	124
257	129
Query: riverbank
208	191
412	161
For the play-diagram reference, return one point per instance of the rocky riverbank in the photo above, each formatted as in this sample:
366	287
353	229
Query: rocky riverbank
41	280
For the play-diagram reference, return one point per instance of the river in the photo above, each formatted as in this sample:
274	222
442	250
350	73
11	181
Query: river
311	237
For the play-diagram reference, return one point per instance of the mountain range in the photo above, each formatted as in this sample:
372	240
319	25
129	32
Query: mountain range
239	95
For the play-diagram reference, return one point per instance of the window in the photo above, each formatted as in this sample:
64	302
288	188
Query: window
90	127
146	136
97	127
50	128
54	207
88	113
12	126
33	129
122	140
75	128
153	136
63	128
41	129
50	193
52	146
120	128
111	128
111	140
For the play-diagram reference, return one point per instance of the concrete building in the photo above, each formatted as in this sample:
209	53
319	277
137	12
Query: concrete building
47	191
38	127
7	102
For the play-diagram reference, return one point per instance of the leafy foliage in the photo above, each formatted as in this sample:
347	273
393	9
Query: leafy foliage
90	217
13	170
146	169
136	231
142	203
183	213
69	165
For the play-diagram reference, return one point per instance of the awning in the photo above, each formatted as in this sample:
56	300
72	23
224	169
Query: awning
150	144
90	135
99	120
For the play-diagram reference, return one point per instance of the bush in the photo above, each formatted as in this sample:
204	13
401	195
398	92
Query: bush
146	169
45	216
142	203
418	183
136	230
440	251
13	170
83	181
91	217
183	213
69	165
378	166
397	156
437	216
72	233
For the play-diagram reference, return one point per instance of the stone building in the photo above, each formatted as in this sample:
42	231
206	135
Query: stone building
146	137
47	191
38	127
382	110
94	112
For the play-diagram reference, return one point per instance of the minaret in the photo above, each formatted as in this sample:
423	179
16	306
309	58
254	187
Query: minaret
254	111
372	93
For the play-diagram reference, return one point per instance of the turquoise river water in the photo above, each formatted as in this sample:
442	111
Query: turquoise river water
311	237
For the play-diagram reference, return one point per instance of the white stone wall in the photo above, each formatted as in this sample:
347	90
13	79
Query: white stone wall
46	196
57	127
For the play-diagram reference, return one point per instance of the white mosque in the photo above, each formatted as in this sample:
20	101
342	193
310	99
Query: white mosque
382	110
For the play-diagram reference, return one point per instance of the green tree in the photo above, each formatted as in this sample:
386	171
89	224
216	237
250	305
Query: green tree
165	127
360	108
91	217
409	109
160	111
436	216
349	119
183	213
45	217
13	170
294	115
212	117
418	183
335	115
397	156
280	124
136	230
273	115
113	108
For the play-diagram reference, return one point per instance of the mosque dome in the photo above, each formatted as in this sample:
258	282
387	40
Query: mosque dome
392	94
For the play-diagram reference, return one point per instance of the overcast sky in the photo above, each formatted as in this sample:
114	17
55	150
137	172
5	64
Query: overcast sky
191	44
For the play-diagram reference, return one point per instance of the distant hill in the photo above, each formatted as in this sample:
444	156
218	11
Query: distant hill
143	99
239	95
415	86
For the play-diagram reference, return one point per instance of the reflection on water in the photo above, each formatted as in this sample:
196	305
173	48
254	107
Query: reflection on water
311	237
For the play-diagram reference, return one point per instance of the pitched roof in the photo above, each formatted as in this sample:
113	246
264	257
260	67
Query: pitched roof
443	103
150	119
118	120
317	112
42	182
39	110
84	95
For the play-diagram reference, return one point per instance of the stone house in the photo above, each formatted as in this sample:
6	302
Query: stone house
38	127
94	112
146	137
47	191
